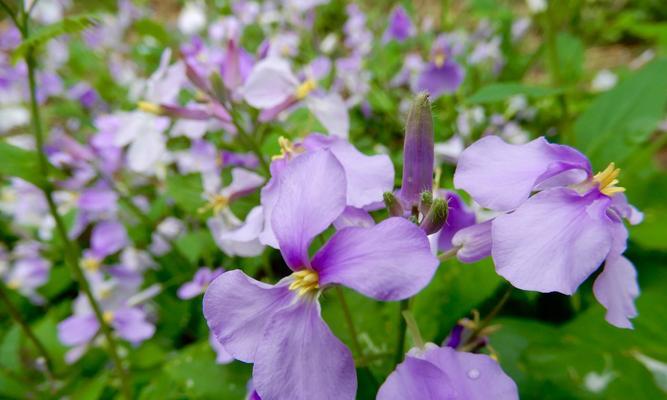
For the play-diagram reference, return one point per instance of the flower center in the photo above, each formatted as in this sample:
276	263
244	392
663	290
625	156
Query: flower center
305	281
91	264
439	59
107	316
305	88
287	149
607	181
217	203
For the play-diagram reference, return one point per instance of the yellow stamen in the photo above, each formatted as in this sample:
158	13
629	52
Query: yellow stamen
305	88
607	181
439	59
287	149
91	264
107	316
217	203
148	107
305	281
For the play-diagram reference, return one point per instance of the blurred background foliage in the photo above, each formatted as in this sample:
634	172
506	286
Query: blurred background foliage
553	346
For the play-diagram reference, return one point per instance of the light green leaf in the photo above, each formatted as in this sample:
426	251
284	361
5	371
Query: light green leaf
186	190
496	92
70	25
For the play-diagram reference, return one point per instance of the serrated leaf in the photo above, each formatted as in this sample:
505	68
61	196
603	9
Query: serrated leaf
70	25
496	92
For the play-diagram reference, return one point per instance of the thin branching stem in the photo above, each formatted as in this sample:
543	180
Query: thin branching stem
70	251
27	330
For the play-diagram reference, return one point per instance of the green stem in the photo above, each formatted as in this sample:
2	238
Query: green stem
11	14
350	324
413	328
400	342
486	321
16	315
251	145
71	253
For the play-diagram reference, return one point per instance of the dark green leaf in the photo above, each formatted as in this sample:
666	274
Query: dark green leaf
621	119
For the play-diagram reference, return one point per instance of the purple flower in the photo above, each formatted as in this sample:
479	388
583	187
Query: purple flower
233	236
441	373
553	240
400	26
367	177
459	216
442	75
108	237
119	299
279	327
199	283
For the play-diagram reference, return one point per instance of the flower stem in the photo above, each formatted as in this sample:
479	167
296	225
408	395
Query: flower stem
350	324
413	328
402	326
70	251
487	320
250	144
16	315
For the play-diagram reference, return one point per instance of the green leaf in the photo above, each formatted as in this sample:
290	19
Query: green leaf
20	163
70	25
587	358
194	244
570	56
10	349
620	120
196	374
91	389
496	92
454	291
186	190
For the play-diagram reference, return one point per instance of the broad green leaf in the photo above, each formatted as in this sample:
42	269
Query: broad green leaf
10	348
587	358
91	389
621	119
195	373
69	25
496	92
20	163
194	244
186	190
570	57
455	290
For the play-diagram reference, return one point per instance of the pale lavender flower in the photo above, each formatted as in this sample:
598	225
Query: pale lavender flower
440	373
279	327
273	88
199	283
553	240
